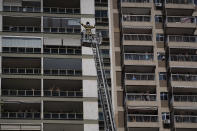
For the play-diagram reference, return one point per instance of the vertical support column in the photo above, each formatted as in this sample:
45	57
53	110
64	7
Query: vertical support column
41	5
1	5
1	43
42	127
42	88
42	24
42	110
42	67
1	23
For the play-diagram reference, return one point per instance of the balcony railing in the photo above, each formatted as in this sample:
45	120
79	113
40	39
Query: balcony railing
138	37
179	2
191	58
21	9
21	50
101	2
62	72
20	115
142	118
55	10
183	77
64	116
185	119
21	28
62	51
134	18
141	97
75	30
180	19
51	93
140	76
7	92
137	1
138	56
22	71
185	98
178	38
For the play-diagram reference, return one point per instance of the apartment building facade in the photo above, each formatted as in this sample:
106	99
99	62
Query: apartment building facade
48	80
153	58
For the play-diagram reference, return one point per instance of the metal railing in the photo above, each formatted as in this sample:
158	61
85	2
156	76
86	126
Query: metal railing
185	119
137	37
62	72
64	116
183	58
62	51
21	9
142	118
10	92
180	19
137	1
141	97
21	50
183	77
56	10
138	56
21	28
25	71
179	2
20	115
140	76
179	38
185	98
63	93
136	18
62	30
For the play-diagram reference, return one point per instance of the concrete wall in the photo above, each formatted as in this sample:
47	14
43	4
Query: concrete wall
1	5
90	110
90	88
91	127
88	67
87	6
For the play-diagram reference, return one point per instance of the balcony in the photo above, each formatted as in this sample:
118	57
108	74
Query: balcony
139	99
51	93
101	3
182	41
21	50
180	4
137	39
140	79
136	3
56	10
62	72
21	115
141	120
62	50
180	24
189	61
183	80
69	30
26	29
21	93
63	116
136	20
138	59
22	9
185	121
21	71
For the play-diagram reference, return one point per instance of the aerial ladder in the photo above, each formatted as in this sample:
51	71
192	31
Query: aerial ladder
94	41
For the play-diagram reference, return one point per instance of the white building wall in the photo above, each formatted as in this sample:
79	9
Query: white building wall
91	127
87	7
90	88
88	67
90	110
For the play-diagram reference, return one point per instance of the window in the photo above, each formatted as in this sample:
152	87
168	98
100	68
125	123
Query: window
162	76
165	116
159	37
164	96
160	56
158	19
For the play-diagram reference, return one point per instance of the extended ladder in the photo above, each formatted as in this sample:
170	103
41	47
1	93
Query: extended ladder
94	41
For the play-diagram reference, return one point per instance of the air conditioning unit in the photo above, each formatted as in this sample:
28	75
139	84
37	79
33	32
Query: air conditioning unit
158	4
166	121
